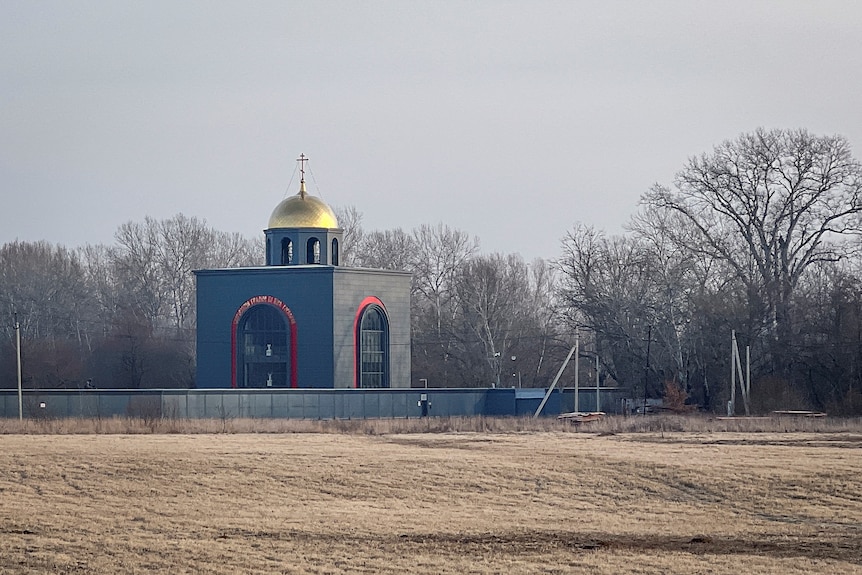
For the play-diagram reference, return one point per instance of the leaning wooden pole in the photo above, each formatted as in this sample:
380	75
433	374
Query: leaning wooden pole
731	406
553	385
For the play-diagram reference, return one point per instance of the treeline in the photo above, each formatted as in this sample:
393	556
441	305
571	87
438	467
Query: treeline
759	237
478	320
123	316
111	316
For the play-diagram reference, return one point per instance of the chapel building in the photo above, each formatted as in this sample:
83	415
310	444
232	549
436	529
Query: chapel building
303	320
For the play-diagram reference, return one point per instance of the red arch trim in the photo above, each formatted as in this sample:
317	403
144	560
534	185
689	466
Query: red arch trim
370	300
248	304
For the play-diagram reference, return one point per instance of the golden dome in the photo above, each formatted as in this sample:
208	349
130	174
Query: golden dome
303	211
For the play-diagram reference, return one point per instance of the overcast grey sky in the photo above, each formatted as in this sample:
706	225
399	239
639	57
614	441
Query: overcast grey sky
508	120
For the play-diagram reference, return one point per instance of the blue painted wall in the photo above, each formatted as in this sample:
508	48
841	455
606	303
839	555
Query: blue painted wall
306	291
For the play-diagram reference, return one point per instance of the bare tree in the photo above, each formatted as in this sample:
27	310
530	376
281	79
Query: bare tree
546	336
183	245
99	272
152	266
136	262
440	253
491	292
350	221
45	286
506	327
770	205
606	287
120	315
154	261
387	250
638	297
231	250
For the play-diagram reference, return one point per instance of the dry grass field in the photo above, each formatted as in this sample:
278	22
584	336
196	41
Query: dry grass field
450	502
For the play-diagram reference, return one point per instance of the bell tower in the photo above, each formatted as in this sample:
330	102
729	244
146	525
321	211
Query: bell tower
303	230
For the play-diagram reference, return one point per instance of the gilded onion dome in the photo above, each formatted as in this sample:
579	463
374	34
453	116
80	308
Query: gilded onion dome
303	211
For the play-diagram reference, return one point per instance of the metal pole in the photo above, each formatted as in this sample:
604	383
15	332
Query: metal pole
18	348
747	379
577	375
646	369
598	385
731	411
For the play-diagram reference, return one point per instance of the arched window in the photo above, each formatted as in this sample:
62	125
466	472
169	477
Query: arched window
286	252
263	348
333	254
268	251
373	348
312	255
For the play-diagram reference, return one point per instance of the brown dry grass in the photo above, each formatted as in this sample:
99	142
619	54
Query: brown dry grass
608	425
449	502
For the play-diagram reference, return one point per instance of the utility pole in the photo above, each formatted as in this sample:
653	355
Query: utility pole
18	348
577	355
646	369
598	383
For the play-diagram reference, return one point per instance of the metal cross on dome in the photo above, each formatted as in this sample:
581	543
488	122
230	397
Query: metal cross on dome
302	159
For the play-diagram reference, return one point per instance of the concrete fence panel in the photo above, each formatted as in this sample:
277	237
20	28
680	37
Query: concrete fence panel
300	403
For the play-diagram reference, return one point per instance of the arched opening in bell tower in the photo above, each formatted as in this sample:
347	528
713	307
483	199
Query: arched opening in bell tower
312	255
286	252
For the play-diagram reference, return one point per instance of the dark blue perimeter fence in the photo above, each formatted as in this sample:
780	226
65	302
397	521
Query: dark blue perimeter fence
302	403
